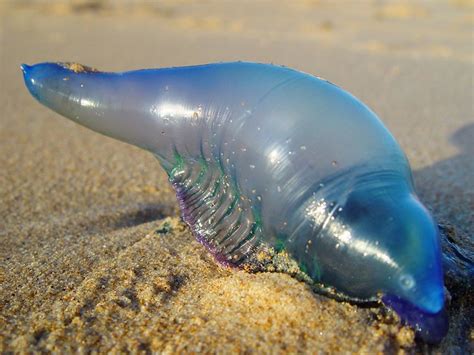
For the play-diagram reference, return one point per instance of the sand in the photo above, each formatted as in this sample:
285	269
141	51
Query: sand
93	256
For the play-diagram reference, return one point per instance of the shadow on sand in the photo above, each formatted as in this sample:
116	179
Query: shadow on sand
447	188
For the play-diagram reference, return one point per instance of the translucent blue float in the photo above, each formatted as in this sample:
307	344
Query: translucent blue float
264	158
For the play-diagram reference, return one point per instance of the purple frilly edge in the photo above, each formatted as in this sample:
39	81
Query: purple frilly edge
190	221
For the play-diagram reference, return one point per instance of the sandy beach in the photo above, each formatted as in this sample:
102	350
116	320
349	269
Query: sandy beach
93	254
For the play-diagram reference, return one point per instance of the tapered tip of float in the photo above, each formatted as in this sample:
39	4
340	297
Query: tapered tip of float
25	68
43	81
29	78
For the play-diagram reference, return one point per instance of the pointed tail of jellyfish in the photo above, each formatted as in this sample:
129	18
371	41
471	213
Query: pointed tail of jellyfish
103	102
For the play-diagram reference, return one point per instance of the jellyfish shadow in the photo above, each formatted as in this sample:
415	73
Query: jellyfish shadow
447	189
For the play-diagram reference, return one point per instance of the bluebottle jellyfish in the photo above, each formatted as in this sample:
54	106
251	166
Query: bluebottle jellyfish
266	157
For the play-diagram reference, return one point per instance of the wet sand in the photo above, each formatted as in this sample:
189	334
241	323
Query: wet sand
93	255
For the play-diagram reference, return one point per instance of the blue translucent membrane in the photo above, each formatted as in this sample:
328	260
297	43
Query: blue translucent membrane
265	156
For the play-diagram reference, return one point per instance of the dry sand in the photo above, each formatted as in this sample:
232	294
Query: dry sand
93	256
